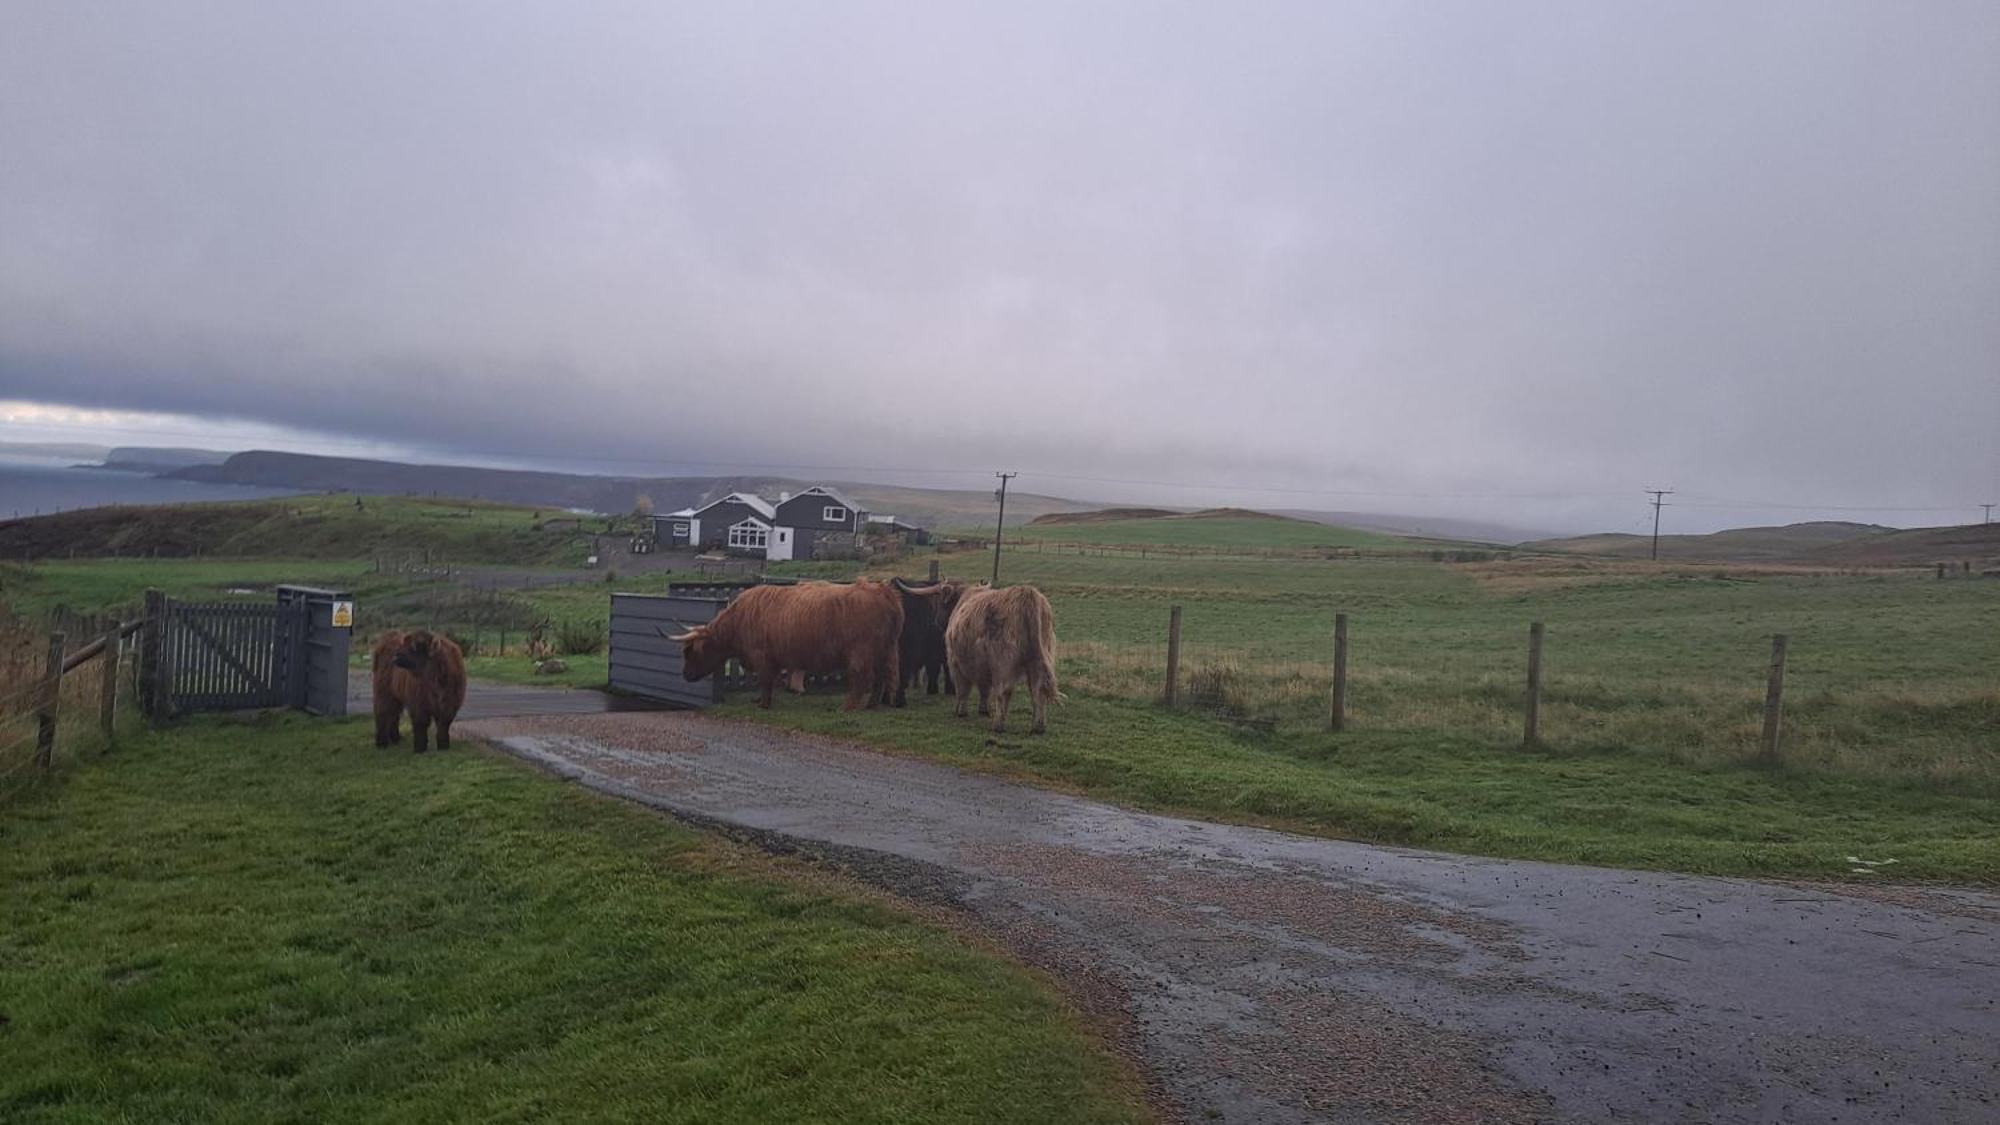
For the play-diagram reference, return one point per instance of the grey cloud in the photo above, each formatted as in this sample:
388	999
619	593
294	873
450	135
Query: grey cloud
1554	249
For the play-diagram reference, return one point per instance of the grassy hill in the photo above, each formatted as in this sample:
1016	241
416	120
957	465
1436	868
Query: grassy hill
1216	527
323	527
1826	543
1790	542
1976	543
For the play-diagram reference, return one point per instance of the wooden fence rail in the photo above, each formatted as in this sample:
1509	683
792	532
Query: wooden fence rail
47	694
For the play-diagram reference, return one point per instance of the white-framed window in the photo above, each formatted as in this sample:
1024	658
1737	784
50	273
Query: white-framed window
833	513
750	536
681	528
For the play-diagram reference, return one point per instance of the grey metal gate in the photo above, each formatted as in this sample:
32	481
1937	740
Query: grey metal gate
232	656
646	663
221	656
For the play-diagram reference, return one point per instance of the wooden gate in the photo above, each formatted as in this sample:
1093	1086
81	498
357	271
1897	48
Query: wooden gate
231	656
227	656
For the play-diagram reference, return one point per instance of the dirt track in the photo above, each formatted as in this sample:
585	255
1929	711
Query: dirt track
1268	977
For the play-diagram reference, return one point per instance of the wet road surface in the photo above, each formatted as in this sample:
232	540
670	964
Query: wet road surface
1265	977
487	700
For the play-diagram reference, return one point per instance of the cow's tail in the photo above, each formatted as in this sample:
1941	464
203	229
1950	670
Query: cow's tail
1042	646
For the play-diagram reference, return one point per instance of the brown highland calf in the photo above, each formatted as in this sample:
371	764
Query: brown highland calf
811	628
996	638
424	674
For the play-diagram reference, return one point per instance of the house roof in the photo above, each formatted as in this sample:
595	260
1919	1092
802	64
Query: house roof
833	495
680	514
756	504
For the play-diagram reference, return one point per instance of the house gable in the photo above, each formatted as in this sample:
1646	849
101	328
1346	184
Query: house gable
821	509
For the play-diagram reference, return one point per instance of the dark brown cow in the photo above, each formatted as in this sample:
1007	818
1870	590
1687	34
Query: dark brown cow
810	628
925	609
996	638
423	673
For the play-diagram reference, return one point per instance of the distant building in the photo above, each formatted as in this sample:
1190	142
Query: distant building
818	523
910	534
738	521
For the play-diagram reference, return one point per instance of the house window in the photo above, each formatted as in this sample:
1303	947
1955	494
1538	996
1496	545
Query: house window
749	536
834	514
680	529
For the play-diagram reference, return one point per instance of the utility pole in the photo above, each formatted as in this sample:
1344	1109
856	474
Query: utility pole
1659	501
1989	513
1000	528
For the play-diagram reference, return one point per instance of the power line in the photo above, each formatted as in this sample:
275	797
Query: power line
1659	501
1989	513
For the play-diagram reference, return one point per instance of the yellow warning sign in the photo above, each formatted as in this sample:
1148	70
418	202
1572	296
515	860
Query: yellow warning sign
343	615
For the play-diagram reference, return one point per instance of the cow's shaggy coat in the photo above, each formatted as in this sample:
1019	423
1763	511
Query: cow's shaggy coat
925	611
811	628
424	674
996	638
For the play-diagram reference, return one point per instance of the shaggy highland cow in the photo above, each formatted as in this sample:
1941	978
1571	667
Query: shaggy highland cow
926	608
996	638
424	674
811	628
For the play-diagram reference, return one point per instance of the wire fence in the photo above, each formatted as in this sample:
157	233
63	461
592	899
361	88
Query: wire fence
53	718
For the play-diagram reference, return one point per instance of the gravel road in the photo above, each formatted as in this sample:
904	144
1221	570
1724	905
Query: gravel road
1264	977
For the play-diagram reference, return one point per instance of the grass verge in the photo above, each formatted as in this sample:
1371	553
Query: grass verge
270	922
1599	806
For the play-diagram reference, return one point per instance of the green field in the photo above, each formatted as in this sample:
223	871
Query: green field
1654	673
1214	531
270	921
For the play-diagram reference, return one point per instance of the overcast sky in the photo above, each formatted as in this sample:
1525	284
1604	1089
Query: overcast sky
1515	260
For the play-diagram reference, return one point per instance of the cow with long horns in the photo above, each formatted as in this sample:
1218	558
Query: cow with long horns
926	608
810	628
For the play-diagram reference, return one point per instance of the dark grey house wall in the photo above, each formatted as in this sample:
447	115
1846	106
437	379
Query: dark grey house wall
719	517
663	530
807	512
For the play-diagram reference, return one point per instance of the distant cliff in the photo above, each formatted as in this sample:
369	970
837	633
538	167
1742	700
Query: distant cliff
927	506
160	459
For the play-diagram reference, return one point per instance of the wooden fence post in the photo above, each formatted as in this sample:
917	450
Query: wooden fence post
1940	567
107	695
1774	699
1173	693
934	567
45	713
1338	719
1532	731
